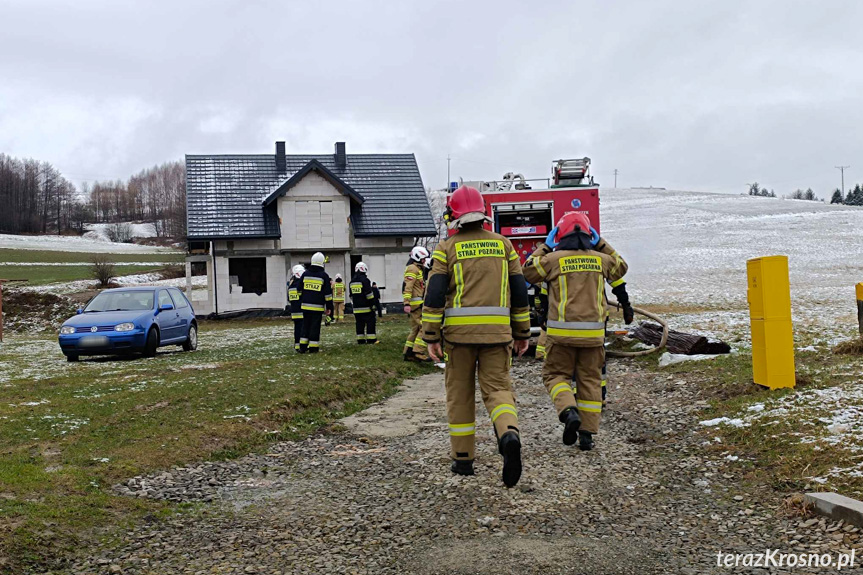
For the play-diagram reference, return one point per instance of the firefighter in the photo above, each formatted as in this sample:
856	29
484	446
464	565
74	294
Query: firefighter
338	298
363	300
413	289
577	310
478	297
316	301
378	305
295	293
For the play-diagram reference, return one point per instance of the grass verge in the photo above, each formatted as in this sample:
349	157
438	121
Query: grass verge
68	432
40	275
46	256
801	439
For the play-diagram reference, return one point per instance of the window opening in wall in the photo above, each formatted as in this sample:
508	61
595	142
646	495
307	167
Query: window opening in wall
248	275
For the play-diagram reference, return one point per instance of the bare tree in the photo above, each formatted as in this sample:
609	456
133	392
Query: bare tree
103	269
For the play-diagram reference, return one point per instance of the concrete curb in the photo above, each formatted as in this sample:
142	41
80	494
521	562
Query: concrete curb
837	507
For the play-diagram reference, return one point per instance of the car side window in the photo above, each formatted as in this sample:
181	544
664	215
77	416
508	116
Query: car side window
179	300
164	298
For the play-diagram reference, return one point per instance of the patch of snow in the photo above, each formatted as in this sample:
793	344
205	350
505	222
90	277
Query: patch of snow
669	358
74	244
724	421
100	232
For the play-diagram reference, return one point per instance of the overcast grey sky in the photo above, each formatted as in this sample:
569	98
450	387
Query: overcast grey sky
683	94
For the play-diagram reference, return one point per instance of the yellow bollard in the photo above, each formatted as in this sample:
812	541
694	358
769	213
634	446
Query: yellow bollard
860	307
769	296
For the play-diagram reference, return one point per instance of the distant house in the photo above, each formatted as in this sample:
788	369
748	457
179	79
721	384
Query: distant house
252	217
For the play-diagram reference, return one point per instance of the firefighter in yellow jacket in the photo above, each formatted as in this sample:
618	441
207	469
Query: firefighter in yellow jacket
413	290
576	275
478	298
338	298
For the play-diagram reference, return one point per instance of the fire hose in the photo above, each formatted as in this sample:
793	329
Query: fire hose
662	342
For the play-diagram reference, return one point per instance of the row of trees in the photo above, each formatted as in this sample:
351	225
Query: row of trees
854	197
36	198
157	194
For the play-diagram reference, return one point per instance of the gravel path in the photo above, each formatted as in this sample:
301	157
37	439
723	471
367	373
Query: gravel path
648	500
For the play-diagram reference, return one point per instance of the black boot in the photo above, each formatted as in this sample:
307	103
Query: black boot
585	440
571	423
510	447
462	466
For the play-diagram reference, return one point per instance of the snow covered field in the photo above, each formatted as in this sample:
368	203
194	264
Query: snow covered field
74	244
690	248
100	232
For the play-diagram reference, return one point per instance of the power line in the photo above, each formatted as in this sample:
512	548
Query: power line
842	169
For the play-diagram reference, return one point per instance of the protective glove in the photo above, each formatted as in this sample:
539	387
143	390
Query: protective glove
628	313
594	237
549	240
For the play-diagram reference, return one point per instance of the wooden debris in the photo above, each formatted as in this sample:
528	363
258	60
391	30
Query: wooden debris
679	342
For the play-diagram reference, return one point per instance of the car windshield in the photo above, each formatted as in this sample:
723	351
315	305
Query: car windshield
121	301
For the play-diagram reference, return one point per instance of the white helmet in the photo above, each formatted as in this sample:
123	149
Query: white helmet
318	259
427	263
338	276
419	253
361	267
298	270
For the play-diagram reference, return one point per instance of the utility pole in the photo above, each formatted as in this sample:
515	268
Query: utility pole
842	169
448	180
615	178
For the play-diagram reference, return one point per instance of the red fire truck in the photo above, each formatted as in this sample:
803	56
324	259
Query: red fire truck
525	211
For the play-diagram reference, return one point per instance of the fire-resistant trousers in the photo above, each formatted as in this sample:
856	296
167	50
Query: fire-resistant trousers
338	310
490	365
298	332
540	344
366	327
561	362
604	384
311	338
415	341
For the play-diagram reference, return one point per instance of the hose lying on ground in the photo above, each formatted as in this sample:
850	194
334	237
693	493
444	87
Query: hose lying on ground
663	341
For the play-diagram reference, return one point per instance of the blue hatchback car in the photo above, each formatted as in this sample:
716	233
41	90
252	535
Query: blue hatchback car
125	320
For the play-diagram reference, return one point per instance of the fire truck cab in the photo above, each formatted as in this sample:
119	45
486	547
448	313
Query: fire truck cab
526	215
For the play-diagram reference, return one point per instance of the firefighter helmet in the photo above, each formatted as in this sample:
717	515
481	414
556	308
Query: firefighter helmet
298	270
361	268
339	277
318	259
571	222
419	253
427	263
466	200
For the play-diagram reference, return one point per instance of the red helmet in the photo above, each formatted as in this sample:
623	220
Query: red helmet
572	221
464	201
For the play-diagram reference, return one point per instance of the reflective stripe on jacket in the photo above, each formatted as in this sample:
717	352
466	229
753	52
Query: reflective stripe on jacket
295	292
577	308
470	291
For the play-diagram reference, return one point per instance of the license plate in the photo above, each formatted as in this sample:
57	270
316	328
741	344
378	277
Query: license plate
93	341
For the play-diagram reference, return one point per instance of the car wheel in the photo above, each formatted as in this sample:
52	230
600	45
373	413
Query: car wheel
191	343
71	358
152	342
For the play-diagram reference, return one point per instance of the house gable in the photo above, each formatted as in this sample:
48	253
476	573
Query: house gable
314	214
316	168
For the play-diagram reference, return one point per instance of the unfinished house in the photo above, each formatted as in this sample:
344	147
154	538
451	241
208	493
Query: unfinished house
252	217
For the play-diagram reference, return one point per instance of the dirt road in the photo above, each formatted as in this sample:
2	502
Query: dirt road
378	497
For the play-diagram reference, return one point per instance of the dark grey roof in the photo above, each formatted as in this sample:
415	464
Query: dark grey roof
313	166
225	194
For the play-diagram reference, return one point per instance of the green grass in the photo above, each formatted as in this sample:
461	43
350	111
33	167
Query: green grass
40	275
149	414
786	450
8	255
